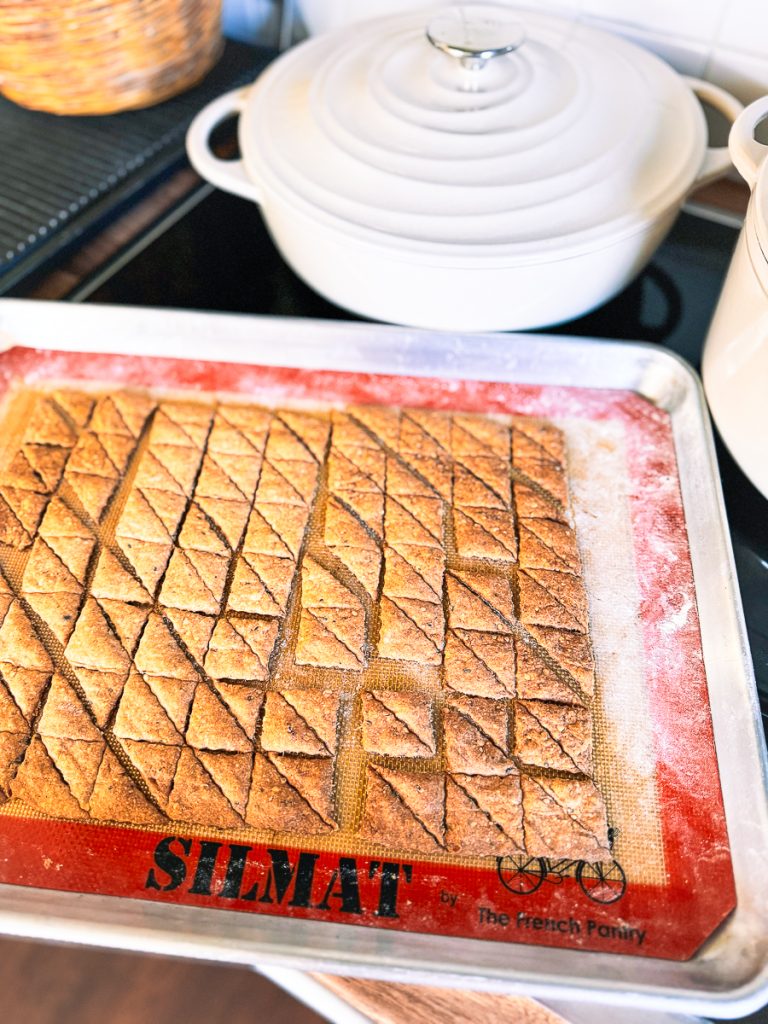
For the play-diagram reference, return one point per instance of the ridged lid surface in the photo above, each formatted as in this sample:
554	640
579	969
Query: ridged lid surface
572	137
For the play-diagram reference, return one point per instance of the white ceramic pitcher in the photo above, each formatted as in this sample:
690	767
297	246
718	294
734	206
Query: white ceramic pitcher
735	366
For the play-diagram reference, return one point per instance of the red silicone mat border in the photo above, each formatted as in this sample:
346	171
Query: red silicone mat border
674	919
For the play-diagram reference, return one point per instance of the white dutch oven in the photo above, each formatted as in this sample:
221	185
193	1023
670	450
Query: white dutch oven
735	366
508	170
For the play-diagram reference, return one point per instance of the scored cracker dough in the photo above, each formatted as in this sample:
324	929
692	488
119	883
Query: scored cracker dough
367	623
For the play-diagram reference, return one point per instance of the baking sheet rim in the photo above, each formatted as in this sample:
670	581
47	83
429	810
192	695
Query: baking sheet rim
664	380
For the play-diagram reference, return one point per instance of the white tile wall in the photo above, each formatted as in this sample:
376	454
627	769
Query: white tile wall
744	26
689	57
692	19
723	40
743	74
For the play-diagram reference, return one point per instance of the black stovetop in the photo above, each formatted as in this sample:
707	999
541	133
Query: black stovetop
220	257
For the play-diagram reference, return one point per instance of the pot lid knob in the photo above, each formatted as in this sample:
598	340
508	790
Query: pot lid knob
476	33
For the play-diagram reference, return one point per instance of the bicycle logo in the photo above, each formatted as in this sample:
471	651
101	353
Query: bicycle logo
601	882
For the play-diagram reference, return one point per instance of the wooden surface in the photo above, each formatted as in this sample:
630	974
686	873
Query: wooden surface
43	984
67	985
728	195
395	1004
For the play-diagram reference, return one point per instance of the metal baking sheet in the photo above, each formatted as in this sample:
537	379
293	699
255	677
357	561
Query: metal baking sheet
728	974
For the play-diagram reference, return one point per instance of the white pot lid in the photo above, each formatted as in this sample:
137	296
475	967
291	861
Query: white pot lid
571	138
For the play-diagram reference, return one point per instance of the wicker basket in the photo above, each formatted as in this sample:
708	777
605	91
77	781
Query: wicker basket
101	56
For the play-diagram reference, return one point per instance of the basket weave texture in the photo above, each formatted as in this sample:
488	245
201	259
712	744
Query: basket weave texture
103	56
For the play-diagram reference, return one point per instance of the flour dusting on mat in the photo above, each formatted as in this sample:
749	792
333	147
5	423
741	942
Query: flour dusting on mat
624	754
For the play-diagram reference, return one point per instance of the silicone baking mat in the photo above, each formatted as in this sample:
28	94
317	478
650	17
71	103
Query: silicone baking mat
655	753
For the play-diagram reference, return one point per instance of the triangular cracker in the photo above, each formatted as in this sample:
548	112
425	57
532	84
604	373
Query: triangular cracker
47	425
48	462
175	695
141	716
38	782
240	430
301	722
153	475
116	797
20	644
159	653
291	797
20	515
570	651
402	639
312	430
398	724
275	529
127	620
156	764
243	701
119	449
479	663
185	587
58	611
476	736
565	817
213	482
230	517
197	798
26	686
484	815
78	762
94	645
45	573
402	577
12	747
549	598
181	464
94	492
102	691
147	559
212	726
193	629
140	521
557	736
320	644
261	584
89	458
487	533
404	810
76	404
198	533
481	601
64	714
20	473
232	773
241	648
11	718
546	544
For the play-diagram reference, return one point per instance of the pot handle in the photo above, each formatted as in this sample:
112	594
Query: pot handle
717	159
748	154
229	175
